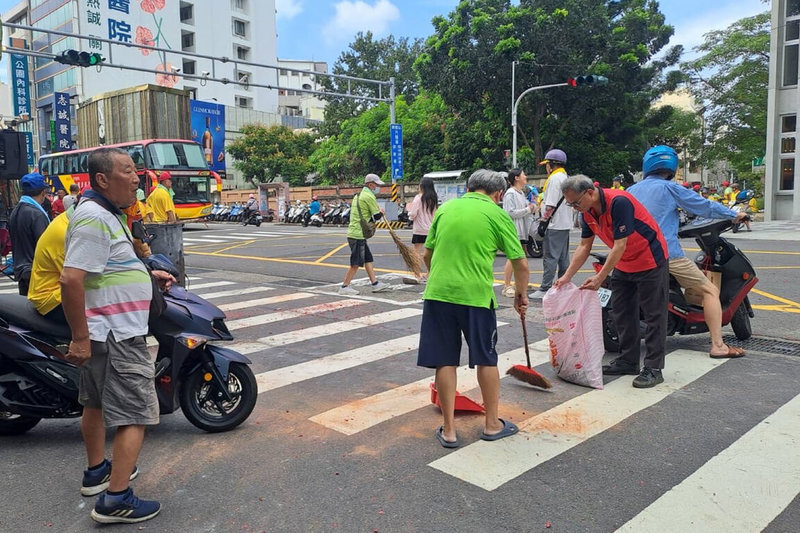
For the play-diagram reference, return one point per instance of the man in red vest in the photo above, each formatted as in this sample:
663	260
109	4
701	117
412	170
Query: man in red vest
641	273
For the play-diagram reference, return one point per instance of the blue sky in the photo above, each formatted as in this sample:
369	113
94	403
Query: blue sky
321	29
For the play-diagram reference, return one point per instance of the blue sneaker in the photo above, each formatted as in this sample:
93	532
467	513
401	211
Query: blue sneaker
96	480
124	509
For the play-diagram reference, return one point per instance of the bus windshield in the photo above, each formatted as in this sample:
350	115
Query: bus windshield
190	189
176	155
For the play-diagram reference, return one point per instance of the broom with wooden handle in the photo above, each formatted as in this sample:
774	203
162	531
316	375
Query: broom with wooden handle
410	256
526	373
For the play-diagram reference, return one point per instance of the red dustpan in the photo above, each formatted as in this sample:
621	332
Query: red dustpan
462	402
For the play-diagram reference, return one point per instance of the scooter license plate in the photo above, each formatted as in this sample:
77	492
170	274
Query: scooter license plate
604	295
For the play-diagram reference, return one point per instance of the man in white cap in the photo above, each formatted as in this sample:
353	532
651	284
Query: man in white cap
364	207
556	238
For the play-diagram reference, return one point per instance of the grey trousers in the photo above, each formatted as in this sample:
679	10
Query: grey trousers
556	256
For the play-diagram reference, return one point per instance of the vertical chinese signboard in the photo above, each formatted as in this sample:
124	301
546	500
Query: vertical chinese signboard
208	129
20	87
63	131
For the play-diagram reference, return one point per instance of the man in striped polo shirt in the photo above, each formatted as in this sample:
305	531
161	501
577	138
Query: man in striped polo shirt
106	292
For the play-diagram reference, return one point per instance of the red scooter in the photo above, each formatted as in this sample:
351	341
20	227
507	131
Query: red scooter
737	278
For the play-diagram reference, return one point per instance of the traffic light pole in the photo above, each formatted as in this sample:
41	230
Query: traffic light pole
514	116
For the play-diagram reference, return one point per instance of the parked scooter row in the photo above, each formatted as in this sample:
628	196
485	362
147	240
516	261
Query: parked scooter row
330	214
212	385
236	213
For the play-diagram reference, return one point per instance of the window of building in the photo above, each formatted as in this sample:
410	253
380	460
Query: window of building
187	13
787	175
791	46
242	52
192	91
788	148
243	101
790	64
284	72
792	8
187	40
793	30
240	5
189	66
239	28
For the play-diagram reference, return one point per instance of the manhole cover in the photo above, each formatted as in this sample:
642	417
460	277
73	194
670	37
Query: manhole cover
757	344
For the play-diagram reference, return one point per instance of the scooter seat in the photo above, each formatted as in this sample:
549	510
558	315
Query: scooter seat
19	311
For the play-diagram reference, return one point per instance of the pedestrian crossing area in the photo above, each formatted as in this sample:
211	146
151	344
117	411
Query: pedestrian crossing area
8	286
706	494
700	458
242	235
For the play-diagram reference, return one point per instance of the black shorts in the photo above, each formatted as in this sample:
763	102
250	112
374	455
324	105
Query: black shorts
440	335
418	239
359	252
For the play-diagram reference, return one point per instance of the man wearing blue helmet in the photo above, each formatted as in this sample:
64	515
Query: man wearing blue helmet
662	197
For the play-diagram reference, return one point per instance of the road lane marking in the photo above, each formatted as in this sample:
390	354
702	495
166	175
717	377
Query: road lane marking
743	488
367	412
211	284
194	240
269	318
234	292
265	301
323	366
776	298
491	464
9	291
332	252
317	332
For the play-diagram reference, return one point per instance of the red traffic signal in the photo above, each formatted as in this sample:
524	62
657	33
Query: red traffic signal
590	79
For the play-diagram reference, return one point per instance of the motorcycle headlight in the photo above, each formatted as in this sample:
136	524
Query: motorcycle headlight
192	341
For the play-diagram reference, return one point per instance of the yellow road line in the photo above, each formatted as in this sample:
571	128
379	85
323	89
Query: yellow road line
332	252
776	298
777	308
238	245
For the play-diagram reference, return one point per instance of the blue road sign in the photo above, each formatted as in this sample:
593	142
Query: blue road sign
396	134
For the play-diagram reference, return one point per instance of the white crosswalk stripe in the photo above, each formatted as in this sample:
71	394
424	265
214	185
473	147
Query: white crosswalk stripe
265	301
205	240
9	291
723	495
210	284
489	466
232	292
260	320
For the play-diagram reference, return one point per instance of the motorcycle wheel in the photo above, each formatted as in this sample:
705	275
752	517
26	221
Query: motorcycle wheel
740	322
11	424
258	224
534	250
610	335
213	416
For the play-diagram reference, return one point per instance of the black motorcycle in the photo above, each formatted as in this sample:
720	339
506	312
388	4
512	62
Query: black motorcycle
213	386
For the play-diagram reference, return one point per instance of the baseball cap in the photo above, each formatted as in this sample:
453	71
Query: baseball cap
32	182
373	178
164	176
555	155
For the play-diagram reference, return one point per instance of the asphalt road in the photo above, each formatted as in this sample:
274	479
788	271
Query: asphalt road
342	436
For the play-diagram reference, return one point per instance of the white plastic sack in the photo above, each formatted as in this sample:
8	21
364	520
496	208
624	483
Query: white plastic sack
573	319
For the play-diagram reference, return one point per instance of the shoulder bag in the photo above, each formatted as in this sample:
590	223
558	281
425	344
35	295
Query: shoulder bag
542	229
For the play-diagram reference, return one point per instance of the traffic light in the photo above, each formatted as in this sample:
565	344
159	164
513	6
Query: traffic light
80	59
588	80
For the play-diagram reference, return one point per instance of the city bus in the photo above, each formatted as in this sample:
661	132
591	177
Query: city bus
193	183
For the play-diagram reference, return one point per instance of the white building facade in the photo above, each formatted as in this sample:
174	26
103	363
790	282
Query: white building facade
243	30
297	74
782	182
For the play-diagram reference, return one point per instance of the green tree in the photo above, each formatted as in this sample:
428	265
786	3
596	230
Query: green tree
730	79
374	59
263	153
363	144
468	61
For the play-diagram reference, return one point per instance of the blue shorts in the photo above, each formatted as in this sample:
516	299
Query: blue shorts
440	335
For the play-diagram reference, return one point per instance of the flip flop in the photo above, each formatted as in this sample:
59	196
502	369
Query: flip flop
442	441
509	428
733	353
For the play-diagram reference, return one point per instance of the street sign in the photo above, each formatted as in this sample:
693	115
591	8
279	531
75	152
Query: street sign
396	134
29	145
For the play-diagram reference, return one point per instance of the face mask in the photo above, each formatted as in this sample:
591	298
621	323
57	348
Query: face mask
377	190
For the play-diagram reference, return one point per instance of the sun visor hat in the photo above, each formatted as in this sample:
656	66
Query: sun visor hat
556	156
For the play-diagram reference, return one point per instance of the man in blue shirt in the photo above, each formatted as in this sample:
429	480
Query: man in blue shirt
662	197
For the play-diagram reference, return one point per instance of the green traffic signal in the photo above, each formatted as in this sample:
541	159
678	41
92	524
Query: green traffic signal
79	59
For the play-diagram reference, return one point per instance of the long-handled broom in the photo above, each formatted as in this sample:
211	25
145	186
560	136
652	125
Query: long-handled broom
526	373
410	256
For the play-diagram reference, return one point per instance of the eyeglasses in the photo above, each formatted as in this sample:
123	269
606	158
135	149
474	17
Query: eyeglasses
576	202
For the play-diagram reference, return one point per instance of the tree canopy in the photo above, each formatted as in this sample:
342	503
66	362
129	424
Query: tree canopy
730	80
263	153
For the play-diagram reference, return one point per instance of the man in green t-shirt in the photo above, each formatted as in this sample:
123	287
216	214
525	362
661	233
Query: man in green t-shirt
460	252
365	206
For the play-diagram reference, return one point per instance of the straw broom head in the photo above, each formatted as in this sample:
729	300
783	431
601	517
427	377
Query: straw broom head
410	256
